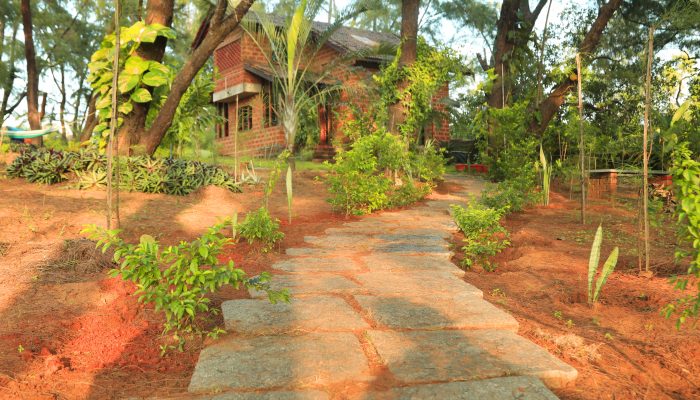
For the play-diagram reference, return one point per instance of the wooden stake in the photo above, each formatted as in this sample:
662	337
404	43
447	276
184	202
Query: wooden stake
581	141
647	126
114	121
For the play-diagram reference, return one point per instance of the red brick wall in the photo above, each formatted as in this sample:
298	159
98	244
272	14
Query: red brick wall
440	130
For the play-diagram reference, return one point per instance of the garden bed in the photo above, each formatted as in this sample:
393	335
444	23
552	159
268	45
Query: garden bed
623	348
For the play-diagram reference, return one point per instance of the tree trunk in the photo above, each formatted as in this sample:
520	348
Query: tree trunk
161	12
549	107
32	72
409	53
220	27
90	120
513	29
7	84
62	105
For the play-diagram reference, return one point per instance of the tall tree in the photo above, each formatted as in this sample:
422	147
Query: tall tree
547	109
134	126
409	51
33	112
221	23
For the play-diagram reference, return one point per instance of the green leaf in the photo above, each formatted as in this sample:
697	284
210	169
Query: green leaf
127	82
136	65
680	113
126	107
593	260
154	79
141	95
155	66
104	102
608	268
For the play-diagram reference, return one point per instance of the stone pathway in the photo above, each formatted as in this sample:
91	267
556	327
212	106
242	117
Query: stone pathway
378	312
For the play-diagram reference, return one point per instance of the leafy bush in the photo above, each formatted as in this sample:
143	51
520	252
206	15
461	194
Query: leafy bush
511	195
140	173
47	166
428	164
177	279
260	226
686	181
364	178
484	236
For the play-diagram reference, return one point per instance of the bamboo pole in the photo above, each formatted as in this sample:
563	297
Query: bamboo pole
581	141
235	141
114	120
647	125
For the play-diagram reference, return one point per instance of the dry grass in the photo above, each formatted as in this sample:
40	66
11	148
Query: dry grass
571	345
77	260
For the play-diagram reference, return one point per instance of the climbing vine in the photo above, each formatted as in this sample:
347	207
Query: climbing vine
416	85
137	76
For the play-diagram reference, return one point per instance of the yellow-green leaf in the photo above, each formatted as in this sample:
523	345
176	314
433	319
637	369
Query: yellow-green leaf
141	95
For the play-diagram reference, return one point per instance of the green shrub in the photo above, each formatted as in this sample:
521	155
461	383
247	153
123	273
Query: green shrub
260	226
511	195
484	236
379	171
177	279
428	164
686	183
139	173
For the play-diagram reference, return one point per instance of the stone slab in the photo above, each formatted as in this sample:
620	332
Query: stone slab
301	314
416	284
299	284
342	241
297	395
429	356
508	388
433	249
277	362
387	262
317	264
308	251
463	312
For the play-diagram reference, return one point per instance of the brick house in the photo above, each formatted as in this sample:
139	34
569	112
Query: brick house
243	93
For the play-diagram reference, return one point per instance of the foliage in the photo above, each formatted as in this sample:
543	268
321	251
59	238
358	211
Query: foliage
177	279
432	70
195	118
41	166
593	261
428	163
511	195
260	226
484	236
686	181
137	76
546	177
365	178
138	173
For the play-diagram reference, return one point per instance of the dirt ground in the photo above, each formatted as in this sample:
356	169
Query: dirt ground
70	332
623	347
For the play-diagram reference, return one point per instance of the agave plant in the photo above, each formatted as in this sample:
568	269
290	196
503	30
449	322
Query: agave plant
546	177
593	260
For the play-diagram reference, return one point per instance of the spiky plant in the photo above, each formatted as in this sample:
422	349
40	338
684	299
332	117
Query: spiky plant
593	261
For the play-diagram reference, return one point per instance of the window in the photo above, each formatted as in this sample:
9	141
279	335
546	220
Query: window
269	107
245	118
222	127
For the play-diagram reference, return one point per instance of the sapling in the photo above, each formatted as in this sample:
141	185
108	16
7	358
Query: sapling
546	177
593	260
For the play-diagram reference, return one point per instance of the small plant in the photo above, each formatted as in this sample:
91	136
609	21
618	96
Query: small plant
558	315
260	226
177	279
20	349
511	195
484	237
546	177
570	323
609	336
593	261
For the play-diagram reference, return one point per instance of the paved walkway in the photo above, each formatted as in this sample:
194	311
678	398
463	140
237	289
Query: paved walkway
378	312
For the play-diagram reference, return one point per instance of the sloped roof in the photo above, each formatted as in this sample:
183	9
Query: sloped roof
348	39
